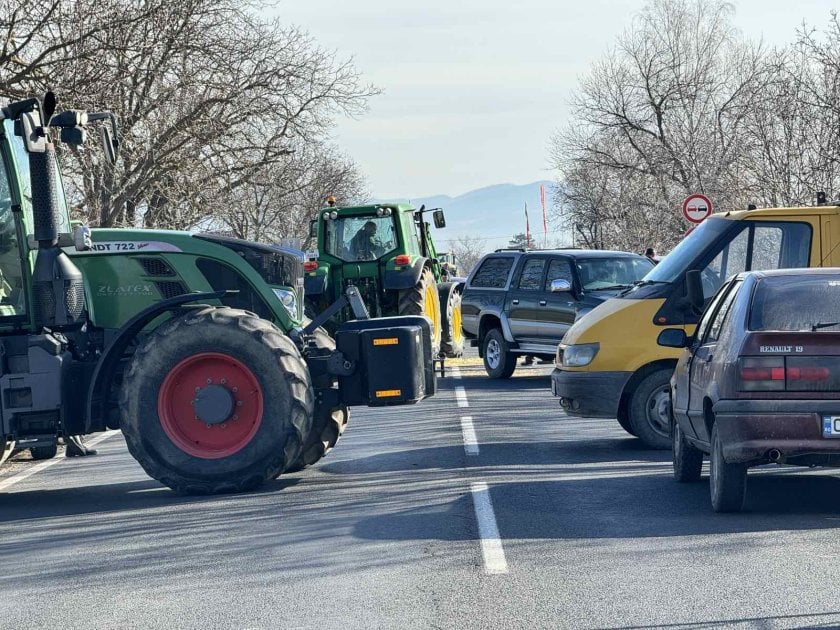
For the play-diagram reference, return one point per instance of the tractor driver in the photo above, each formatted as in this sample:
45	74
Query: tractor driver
363	245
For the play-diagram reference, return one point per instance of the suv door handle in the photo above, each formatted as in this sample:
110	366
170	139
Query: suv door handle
514	301
542	302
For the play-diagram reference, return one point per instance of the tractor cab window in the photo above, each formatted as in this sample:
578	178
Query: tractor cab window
360	238
12	295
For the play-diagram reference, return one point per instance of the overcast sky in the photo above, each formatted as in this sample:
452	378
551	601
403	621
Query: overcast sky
473	90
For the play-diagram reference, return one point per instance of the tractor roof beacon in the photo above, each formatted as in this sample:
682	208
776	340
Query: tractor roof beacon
386	251
194	345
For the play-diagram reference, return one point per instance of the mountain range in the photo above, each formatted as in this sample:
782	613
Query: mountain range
493	213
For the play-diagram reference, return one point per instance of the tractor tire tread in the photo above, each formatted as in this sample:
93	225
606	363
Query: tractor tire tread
291	366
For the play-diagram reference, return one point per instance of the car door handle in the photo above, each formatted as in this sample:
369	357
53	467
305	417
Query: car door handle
514	301
542	302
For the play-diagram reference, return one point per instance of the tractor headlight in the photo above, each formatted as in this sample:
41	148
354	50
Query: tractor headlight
579	355
333	215
326	216
288	299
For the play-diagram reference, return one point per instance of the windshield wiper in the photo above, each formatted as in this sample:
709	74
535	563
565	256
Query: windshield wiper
613	287
818	325
644	283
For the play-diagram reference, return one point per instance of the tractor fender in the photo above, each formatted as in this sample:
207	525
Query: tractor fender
314	284
406	277
106	367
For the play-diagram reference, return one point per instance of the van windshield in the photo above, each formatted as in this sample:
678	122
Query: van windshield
686	253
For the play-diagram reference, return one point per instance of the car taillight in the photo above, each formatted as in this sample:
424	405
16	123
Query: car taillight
310	265
402	260
807	373
761	374
785	373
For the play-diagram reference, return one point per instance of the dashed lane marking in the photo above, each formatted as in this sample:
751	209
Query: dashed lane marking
488	531
14	479
470	438
461	397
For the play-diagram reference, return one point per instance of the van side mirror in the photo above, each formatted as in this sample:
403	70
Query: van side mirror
440	220
561	286
313	228
694	290
673	338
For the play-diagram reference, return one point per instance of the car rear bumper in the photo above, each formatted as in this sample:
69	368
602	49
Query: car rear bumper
783	431
589	394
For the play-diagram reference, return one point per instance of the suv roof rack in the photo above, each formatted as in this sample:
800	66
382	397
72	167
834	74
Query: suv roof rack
510	249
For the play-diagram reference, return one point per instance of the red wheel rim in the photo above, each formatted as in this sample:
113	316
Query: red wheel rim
177	412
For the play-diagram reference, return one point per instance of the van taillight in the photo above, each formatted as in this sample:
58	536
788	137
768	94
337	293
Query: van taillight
310	265
761	374
784	373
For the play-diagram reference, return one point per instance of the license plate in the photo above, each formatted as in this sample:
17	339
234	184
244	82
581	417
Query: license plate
831	426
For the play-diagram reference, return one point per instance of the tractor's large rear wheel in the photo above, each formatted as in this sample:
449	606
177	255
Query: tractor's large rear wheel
452	336
217	400
423	299
328	424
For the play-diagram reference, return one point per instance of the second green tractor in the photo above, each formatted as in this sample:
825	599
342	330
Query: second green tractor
386	251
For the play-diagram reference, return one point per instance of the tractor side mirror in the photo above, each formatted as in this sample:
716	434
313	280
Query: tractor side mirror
313	228
109	144
440	220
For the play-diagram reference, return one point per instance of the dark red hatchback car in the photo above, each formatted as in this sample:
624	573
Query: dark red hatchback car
759	382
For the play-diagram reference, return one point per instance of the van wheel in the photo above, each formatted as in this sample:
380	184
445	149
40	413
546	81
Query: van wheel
688	460
499	362
624	421
650	410
727	482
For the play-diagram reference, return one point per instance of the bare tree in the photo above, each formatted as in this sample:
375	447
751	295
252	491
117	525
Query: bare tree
283	197
209	96
661	116
468	251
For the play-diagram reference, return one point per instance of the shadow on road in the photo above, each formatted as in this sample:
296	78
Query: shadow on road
627	506
109	498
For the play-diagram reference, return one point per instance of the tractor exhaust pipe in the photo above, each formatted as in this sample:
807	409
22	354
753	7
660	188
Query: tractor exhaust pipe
57	284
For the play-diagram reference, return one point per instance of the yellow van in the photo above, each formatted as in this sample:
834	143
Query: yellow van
609	364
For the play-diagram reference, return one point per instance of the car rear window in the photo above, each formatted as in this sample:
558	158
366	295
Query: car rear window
794	303
493	273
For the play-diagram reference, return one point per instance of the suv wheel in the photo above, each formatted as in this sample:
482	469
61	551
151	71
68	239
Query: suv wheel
499	362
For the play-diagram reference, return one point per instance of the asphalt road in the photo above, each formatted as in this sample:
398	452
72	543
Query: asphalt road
481	508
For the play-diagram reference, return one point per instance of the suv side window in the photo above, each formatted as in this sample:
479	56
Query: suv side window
493	273
558	269
532	274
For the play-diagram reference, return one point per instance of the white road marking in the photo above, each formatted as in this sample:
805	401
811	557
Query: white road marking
7	483
488	531
461	397
456	373
470	439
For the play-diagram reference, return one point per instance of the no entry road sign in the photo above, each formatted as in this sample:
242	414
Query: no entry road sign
696	208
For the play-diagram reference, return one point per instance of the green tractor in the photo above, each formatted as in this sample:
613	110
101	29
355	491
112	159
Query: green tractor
194	345
385	251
